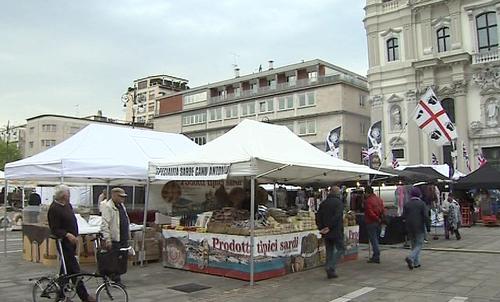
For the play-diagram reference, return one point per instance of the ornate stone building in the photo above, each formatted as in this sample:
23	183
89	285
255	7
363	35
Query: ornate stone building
450	45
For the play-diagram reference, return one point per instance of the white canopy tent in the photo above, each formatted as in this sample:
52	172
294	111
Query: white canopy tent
268	152
101	154
263	151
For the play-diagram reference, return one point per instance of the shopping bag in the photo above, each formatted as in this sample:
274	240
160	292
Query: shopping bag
112	262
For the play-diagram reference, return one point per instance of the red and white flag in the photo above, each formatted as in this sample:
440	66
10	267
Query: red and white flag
433	120
466	156
481	160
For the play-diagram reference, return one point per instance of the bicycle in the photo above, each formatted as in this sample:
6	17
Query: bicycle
48	288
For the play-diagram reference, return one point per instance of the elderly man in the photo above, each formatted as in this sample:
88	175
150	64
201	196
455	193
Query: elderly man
417	221
115	224
329	220
62	223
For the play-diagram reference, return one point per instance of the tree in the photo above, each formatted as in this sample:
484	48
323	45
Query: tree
8	152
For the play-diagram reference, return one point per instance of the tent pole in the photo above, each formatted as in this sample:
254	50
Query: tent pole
252	228
133	197
5	218
22	197
142	253
275	200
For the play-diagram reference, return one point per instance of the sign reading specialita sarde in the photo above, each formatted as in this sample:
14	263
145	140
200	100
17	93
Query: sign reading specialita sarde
192	172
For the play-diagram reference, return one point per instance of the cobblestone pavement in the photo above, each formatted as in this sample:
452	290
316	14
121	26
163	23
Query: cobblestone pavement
455	273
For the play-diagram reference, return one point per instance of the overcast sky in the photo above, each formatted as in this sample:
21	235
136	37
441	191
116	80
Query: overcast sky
75	57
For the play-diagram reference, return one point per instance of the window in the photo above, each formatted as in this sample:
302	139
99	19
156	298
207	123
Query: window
194	118
449	106
231	111
237	91
266	105
215	114
306	99
290	126
291	80
362	100
362	128
271	83
142	85
49	128
398	153
487	31
254	87
285	102
73	130
248	109
48	142
443	39
200	140
195	98
32	130
307	127
492	154
392	50
31	145
312	75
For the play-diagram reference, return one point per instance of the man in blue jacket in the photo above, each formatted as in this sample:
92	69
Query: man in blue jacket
329	220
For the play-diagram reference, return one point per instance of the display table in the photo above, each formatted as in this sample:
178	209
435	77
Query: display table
229	255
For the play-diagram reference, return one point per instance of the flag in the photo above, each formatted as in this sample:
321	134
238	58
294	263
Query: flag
395	162
375	138
365	154
375	144
481	159
466	156
332	142
434	160
433	120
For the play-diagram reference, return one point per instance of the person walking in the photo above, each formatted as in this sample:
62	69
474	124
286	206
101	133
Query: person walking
374	213
454	217
445	208
416	219
62	224
329	220
115	225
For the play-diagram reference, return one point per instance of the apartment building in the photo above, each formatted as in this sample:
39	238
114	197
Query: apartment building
45	131
449	45
310	98
140	100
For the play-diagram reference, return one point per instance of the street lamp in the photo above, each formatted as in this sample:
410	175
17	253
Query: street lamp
137	102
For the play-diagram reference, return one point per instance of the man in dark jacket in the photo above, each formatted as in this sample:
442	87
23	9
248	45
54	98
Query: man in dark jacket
62	223
329	220
374	211
417	220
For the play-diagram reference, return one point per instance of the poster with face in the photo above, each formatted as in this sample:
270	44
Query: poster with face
332	143
375	138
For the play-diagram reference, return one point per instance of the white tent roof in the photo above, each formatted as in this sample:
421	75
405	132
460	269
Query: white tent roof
255	148
100	153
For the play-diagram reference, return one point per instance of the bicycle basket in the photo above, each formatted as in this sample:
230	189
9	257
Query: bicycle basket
112	262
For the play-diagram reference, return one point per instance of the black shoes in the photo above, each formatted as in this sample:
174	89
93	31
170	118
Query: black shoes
409	262
330	274
417	266
371	260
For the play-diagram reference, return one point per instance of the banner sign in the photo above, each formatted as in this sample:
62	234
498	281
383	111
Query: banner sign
192	172
375	145
332	142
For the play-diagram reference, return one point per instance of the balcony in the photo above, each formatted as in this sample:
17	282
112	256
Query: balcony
283	87
390	5
486	57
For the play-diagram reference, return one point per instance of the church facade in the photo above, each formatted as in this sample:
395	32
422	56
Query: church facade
450	46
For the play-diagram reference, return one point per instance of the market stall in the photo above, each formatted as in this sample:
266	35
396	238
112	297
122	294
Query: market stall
252	151
98	154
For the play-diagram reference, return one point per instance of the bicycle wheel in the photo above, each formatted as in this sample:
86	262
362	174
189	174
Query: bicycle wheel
111	291
45	289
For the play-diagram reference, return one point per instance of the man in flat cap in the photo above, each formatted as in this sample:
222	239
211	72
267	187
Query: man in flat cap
115	224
